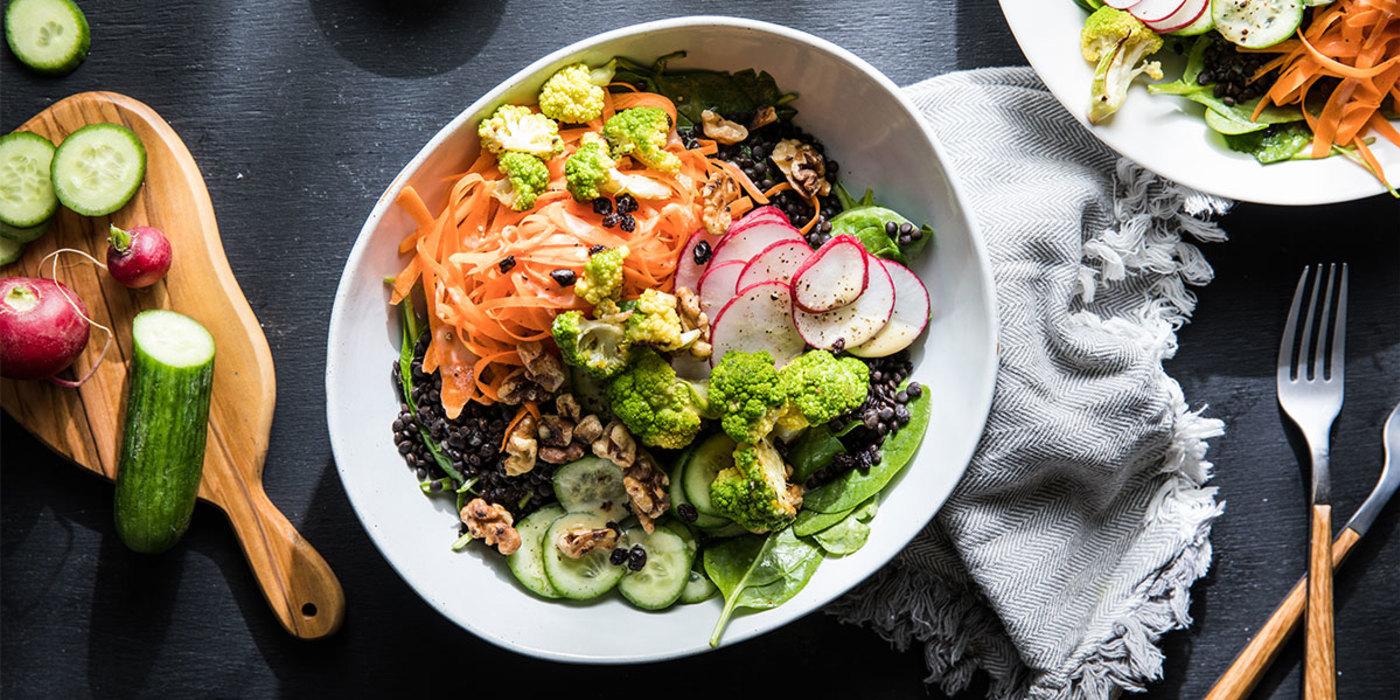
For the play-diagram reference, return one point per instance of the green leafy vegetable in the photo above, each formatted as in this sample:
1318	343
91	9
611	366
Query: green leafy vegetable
1229	119
411	333
812	452
759	572
845	537
694	91
866	221
810	522
856	486
1274	144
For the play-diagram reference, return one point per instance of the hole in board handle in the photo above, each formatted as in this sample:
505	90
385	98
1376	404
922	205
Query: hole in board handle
309	610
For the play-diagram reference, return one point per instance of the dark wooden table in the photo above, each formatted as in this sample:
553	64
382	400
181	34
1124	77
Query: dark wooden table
299	113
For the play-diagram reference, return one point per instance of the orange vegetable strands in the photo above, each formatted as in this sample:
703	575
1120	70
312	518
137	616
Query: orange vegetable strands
1356	42
486	270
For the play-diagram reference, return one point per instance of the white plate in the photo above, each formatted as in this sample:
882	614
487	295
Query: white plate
891	151
1167	134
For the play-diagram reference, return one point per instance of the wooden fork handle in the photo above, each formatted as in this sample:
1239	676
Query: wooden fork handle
1320	673
1256	657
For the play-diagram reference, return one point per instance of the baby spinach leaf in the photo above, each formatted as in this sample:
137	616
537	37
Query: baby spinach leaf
759	572
1276	143
856	486
694	91
845	537
812	452
868	224
810	522
866	512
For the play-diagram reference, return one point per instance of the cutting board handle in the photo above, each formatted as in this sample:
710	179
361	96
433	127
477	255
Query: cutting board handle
299	585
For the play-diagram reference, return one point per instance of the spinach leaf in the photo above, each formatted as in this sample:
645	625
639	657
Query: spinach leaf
856	486
866	221
810	522
759	572
845	537
694	91
867	512
411	332
1276	143
812	452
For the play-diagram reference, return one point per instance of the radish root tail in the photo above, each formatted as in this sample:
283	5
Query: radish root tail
53	275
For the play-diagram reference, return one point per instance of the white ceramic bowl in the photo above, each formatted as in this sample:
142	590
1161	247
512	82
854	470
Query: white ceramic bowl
891	152
1168	135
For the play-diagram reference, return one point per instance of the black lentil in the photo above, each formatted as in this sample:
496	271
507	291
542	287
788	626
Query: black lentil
618	557
627	223
507	263
626	204
610	220
596	248
687	513
1232	71
602	205
564	277
701	252
637	558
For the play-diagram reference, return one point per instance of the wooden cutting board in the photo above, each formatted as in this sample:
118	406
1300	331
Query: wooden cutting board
84	425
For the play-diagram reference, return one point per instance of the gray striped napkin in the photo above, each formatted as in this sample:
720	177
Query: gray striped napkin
1071	544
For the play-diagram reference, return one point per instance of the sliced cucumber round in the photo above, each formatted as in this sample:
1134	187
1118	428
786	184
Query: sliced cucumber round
587	577
24	235
678	497
592	485
50	36
1255	24
716	453
26	189
660	582
10	250
698	588
1203	24
527	562
98	168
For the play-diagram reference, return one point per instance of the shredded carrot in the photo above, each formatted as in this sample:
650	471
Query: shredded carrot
1356	42
775	189
529	408
816	203
740	206
733	171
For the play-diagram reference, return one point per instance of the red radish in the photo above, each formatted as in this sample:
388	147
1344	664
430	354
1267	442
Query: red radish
832	277
749	241
766	214
1155	10
688	271
758	318
911	311
138	257
1121	4
41	331
718	285
777	263
1189	12
854	323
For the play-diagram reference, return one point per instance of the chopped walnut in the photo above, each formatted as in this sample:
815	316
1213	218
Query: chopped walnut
794	495
568	407
491	523
692	318
561	455
763	116
541	367
555	431
720	190
518	388
576	542
616	444
646	490
521	448
589	428
721	129
804	168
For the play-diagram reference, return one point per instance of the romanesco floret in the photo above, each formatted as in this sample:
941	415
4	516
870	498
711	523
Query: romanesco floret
574	95
819	386
641	132
598	347
746	393
1117	42
602	275
655	321
755	492
660	409
526	177
591	173
516	128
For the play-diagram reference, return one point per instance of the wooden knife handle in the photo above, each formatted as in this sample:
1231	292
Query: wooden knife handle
299	585
1256	657
1320	673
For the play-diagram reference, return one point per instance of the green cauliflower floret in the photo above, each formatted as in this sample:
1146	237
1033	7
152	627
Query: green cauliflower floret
819	386
526	177
1117	43
641	132
655	321
591	173
516	128
659	408
755	492
574	95
746	392
598	347
602	276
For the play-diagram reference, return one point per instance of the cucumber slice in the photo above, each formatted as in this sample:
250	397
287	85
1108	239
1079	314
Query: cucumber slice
167	422
579	579
26	190
660	582
698	588
527	562
10	250
678	497
713	455
1255	24
24	235
592	485
1203	24
98	168
50	36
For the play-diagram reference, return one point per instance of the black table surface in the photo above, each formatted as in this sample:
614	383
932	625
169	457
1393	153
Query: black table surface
300	113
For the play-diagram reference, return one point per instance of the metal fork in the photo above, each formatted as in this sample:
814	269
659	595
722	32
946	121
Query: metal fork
1310	382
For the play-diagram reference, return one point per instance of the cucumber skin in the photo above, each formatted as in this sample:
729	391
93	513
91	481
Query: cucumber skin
162	453
80	55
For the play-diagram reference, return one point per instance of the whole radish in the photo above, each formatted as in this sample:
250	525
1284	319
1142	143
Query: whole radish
41	330
138	257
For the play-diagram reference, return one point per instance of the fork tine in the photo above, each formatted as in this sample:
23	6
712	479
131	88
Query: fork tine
1337	370
1305	347
1318	354
1290	328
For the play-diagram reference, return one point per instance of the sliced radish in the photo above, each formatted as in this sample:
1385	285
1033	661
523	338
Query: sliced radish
832	277
911	311
1121	4
745	243
776	263
854	323
765	214
1155	10
688	271
718	286
758	318
1189	12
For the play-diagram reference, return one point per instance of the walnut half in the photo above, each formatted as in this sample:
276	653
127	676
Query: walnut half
722	130
803	166
576	542
616	444
646	490
719	191
491	523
